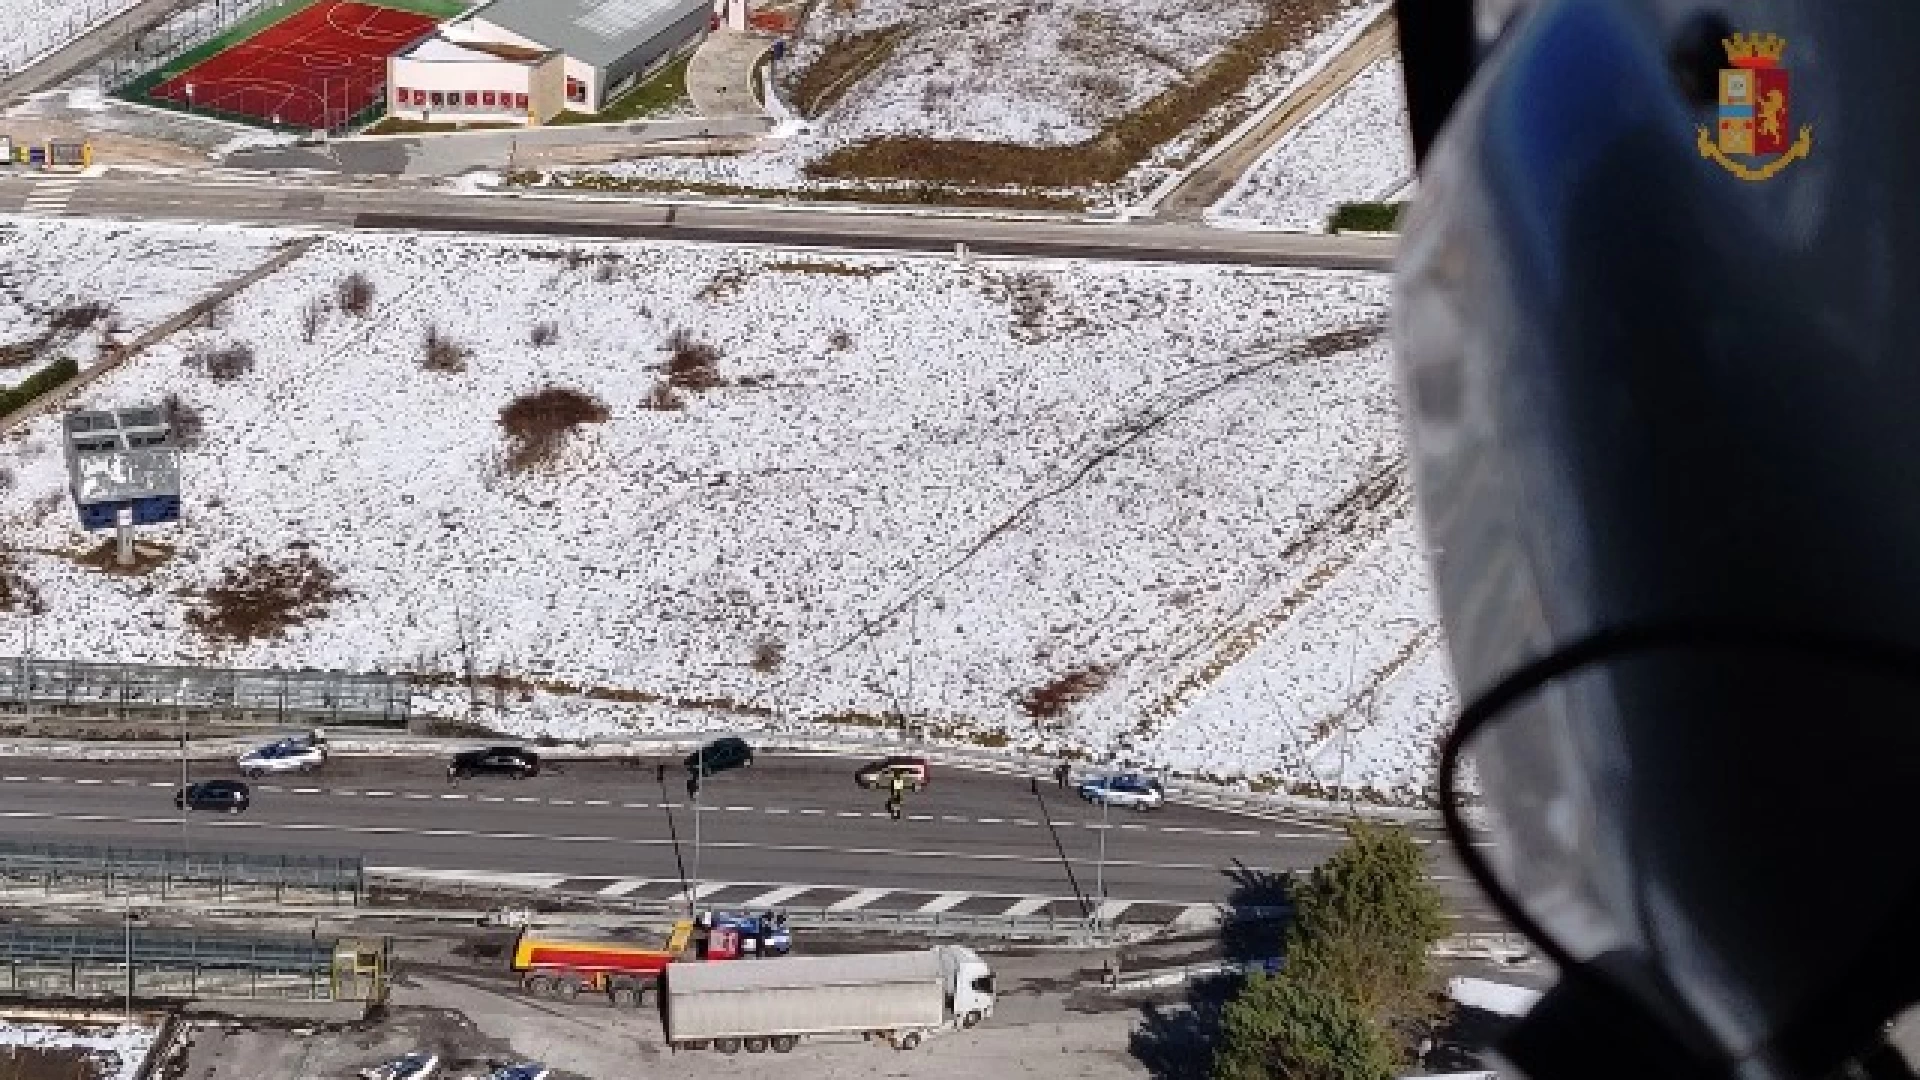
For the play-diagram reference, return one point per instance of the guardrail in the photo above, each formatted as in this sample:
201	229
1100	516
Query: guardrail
930	924
48	870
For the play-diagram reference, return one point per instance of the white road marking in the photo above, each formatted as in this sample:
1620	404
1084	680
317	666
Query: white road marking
597	802
89	781
709	889
379	794
813	813
560	802
623	887
858	900
776	810
943	902
1027	906
989	821
740	809
775	897
1110	910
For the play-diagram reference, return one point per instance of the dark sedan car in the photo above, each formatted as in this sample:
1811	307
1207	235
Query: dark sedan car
719	756
223	796
494	761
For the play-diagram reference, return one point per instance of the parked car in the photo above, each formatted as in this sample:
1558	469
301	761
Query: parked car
526	1070
295	755
879	774
415	1066
225	796
719	756
494	761
1129	790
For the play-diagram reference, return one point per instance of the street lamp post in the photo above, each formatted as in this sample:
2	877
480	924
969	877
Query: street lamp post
180	715
1100	867
699	783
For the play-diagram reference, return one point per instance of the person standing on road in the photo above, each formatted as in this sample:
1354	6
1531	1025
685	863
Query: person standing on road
1061	772
896	794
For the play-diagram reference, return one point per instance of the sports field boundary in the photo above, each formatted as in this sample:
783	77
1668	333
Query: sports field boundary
137	89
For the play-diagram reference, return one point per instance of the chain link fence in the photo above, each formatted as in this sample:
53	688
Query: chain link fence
240	696
29	869
140	58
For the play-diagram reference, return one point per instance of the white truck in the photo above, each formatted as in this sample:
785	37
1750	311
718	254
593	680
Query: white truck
901	997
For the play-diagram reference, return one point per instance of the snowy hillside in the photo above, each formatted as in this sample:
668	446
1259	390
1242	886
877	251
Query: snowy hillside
1353	150
51	271
29	29
1040	74
1140	510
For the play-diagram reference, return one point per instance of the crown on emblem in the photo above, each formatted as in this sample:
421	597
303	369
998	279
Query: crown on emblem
1755	50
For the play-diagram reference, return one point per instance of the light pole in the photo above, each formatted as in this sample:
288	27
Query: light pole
699	782
180	715
1100	867
128	899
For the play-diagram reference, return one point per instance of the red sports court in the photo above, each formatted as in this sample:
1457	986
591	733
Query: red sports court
315	69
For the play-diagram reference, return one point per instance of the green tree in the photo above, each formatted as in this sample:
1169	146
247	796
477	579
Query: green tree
1357	982
1282	1026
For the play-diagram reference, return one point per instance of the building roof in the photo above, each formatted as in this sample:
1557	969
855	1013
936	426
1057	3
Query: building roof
441	50
596	32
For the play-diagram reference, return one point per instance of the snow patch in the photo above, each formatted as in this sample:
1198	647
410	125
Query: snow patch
1494	997
1354	149
119	1050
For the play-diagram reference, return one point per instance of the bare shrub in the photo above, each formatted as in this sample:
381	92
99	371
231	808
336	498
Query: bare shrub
312	317
189	428
223	363
16	592
214	317
6	479
442	353
606	270
663	397
353	294
841	341
538	423
768	654
19	354
692	364
1052	699
264	596
78	317
544	334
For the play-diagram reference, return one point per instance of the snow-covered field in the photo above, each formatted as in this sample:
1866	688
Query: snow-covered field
118	1051
30	29
1353	150
930	486
144	274
1018	72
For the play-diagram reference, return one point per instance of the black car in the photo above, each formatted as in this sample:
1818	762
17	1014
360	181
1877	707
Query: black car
719	756
225	796
494	761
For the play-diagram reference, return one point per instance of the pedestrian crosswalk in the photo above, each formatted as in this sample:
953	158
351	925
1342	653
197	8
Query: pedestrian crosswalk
49	197
830	899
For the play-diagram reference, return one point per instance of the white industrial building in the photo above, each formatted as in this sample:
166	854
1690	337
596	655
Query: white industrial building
527	60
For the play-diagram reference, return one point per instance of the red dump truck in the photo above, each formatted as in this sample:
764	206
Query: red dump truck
621	968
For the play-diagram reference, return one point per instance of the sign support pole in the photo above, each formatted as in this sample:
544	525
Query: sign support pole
123	530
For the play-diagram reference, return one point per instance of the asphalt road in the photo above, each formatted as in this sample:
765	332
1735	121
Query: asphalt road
287	202
799	821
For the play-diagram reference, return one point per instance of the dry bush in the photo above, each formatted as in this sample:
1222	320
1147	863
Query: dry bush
841	341
264	596
353	294
841	63
223	363
544	334
663	397
606	270
6	479
768	654
442	353
188	426
538	423
19	354
16	592
75	318
1052	699
312	317
692	364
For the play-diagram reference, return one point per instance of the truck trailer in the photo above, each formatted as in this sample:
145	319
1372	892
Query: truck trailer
901	997
620	968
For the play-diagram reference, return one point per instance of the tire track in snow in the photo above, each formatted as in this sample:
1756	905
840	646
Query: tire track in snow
1147	418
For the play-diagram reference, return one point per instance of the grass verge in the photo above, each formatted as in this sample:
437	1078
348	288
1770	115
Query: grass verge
1108	156
656	94
918	195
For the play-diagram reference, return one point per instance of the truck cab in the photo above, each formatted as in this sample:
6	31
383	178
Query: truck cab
969	985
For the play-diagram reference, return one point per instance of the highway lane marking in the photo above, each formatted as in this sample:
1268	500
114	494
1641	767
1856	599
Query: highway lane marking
1063	823
229	822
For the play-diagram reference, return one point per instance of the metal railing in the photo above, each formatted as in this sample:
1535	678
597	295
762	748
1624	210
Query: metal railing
231	695
59	869
135	962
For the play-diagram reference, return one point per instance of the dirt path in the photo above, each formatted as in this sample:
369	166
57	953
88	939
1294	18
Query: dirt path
1207	185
